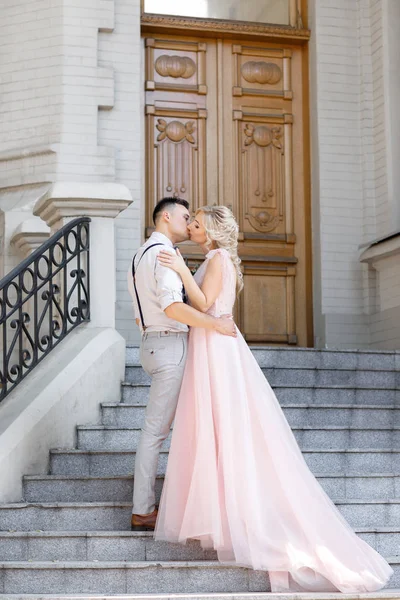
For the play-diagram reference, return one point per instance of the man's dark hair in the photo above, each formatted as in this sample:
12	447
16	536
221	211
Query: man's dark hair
166	203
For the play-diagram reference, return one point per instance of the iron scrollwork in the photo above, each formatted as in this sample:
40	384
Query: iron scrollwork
42	300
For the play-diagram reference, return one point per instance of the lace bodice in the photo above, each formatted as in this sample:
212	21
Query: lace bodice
225	301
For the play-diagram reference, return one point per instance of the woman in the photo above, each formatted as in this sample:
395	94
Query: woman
236	479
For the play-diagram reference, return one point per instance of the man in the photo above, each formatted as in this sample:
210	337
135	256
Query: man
163	318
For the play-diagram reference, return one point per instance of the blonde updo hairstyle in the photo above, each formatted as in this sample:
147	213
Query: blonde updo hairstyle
222	229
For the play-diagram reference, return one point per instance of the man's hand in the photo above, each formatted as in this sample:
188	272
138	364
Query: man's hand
226	326
194	318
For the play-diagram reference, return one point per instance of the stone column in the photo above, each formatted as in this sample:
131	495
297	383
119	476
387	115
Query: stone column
29	235
102	202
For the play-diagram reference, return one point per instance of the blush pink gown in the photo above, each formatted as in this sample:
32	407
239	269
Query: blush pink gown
237	481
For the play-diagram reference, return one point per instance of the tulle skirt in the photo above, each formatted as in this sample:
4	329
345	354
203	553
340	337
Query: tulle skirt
237	481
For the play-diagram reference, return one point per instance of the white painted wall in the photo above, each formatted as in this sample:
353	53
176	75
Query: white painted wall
64	391
87	367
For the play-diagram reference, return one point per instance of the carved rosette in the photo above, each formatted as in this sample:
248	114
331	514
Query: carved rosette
175	131
263	136
263	221
175	66
261	72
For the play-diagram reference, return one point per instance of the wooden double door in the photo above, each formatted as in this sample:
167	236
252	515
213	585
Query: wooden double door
226	123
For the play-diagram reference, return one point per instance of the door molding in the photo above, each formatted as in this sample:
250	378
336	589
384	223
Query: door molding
156	24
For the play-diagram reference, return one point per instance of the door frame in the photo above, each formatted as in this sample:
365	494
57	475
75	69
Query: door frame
154	25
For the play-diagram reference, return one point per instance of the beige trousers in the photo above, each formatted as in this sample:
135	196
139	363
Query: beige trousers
163	357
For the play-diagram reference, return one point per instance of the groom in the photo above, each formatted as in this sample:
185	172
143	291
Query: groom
163	318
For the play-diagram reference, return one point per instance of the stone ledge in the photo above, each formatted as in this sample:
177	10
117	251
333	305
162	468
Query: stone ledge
82	199
381	248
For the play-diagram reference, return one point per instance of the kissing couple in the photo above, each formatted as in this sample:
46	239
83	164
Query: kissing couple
236	479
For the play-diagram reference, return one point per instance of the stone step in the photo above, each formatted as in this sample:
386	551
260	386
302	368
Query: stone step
100	463
76	488
326	359
128	577
108	437
136	546
387	594
136	577
132	415
134	393
354	378
115	516
114	546
311	358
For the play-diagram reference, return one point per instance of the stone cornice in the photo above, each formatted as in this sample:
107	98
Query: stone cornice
381	249
18	153
74	199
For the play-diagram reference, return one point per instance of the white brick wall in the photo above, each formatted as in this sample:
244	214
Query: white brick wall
48	118
381	286
382	213
30	109
30	72
70	75
385	330
120	129
367	120
338	131
351	131
391	59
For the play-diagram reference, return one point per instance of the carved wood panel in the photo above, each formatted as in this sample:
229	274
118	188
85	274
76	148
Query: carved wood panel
268	304
175	65
175	156
175	122
262	119
262	72
264	173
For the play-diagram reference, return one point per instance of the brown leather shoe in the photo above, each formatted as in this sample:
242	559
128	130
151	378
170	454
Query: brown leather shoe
144	522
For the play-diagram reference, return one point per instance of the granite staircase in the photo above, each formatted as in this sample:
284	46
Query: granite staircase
70	535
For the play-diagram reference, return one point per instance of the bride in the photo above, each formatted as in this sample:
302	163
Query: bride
236	479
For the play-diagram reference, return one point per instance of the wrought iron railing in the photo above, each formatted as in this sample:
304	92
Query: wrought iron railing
44	298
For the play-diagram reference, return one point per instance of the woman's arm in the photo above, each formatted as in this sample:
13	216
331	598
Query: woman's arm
194	318
200	298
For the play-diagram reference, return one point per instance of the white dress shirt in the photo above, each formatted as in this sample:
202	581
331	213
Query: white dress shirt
158	287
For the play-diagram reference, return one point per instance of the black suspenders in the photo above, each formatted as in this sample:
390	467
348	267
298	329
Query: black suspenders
134	281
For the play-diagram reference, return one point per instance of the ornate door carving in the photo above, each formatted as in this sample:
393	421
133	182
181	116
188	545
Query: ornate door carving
225	124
